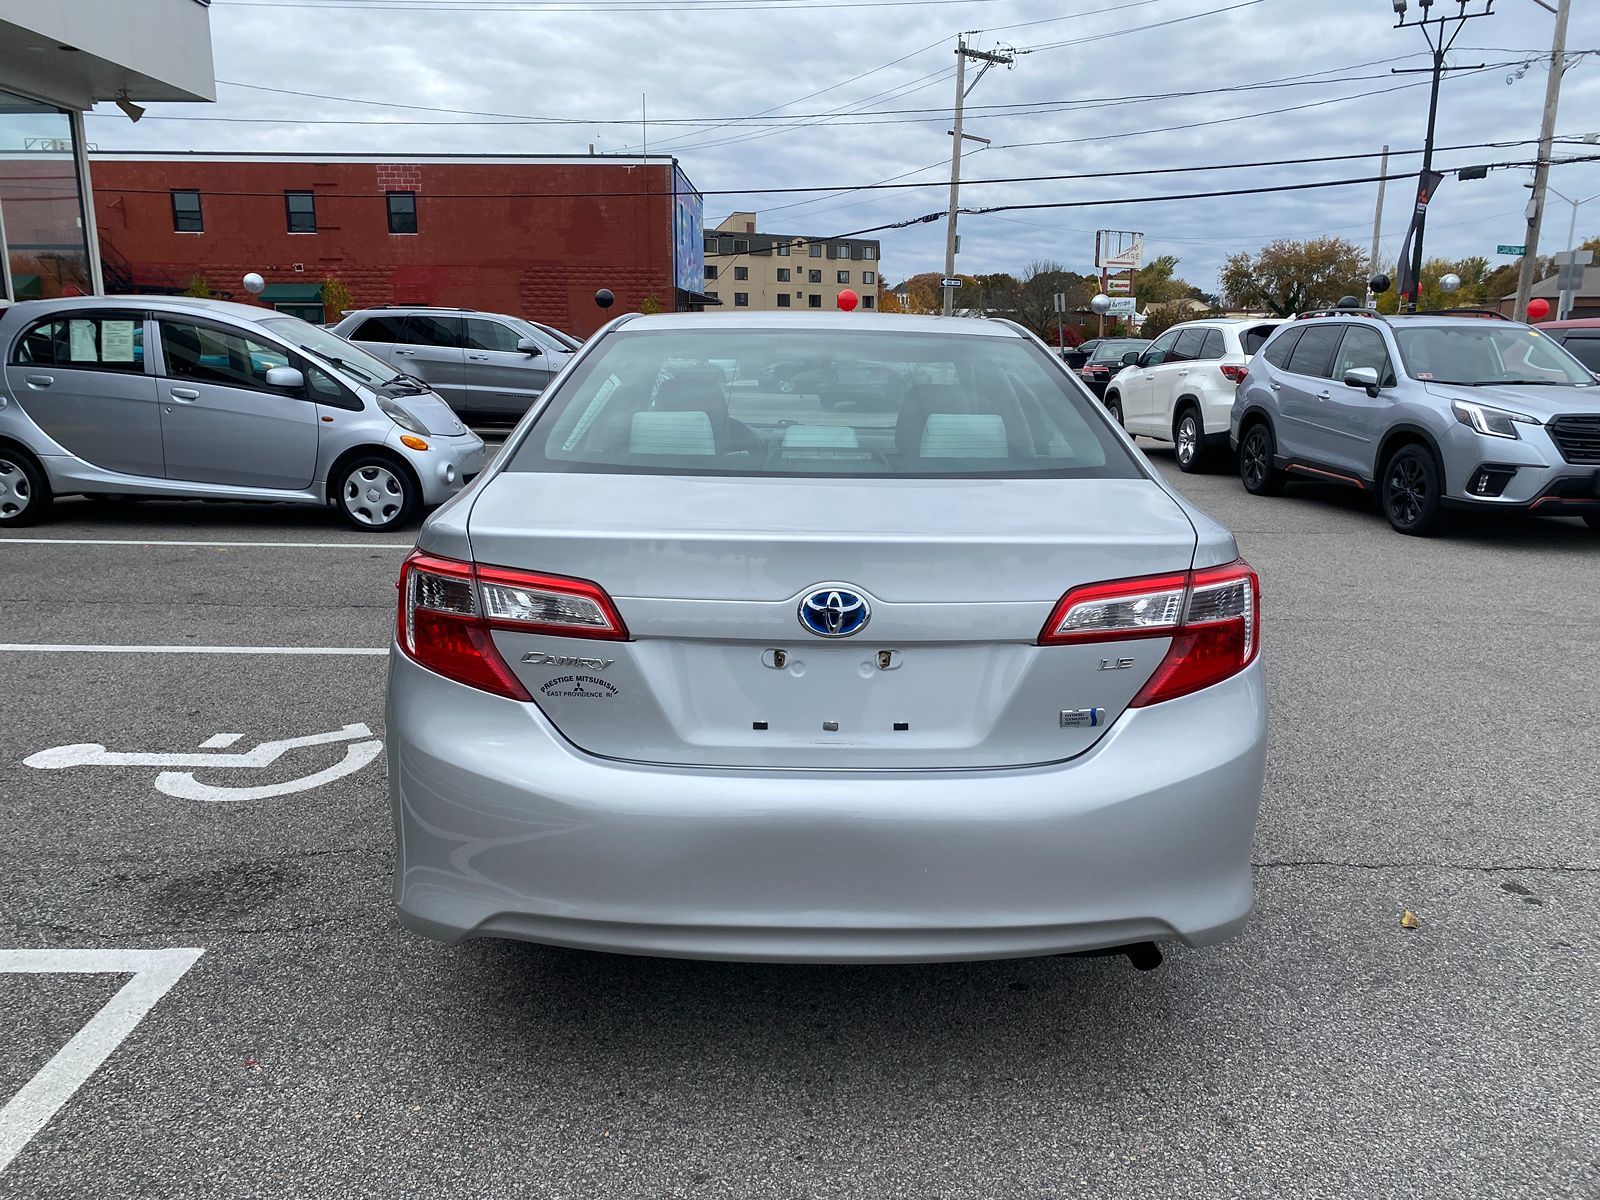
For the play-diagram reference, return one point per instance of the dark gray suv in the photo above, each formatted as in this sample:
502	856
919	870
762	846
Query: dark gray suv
1430	410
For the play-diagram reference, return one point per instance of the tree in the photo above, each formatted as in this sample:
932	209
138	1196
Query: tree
1035	301
1288	277
1478	286
199	287
336	299
889	301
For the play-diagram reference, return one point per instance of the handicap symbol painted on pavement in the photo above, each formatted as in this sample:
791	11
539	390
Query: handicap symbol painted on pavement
185	786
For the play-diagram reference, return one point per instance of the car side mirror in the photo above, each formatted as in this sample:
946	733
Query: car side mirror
529	347
1362	377
288	378
1130	358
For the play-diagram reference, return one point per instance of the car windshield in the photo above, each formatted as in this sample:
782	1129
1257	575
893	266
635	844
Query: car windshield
1113	351
822	402
331	348
1487	354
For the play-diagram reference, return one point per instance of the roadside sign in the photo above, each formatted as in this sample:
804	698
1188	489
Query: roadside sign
1517	250
950	283
1581	258
1061	302
1569	277
1115	285
1123	306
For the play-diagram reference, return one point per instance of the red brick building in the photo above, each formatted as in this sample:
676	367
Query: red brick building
530	236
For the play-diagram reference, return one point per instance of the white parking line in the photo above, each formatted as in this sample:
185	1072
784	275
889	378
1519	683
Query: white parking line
32	541
154	972
43	648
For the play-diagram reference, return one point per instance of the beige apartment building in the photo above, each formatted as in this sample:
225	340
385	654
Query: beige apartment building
771	272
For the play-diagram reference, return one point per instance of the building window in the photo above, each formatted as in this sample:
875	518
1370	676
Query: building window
844	276
844	252
741	272
816	249
711	270
301	208
711	293
783	249
869	277
813	301
711	245
813	276
186	216
402	212
783	299
783	274
869	252
741	299
869	302
741	246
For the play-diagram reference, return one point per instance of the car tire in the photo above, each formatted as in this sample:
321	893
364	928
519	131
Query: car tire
1410	491
1256	472
375	494
24	491
786	385
1113	404
1189	440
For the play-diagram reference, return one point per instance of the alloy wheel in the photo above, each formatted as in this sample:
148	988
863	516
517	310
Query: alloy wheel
1255	458
1188	439
1406	490
373	495
15	491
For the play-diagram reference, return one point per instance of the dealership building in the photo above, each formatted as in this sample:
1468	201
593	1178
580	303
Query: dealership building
535	236
57	59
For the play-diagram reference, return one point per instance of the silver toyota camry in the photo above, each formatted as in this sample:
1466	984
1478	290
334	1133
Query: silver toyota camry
935	668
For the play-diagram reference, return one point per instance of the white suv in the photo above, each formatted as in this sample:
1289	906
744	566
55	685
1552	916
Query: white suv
1180	388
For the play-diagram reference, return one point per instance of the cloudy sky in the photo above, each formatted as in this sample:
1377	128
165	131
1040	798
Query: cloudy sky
754	94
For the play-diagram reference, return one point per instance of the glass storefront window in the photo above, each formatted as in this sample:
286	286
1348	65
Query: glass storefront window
41	206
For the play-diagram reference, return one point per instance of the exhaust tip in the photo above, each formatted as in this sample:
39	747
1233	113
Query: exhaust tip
1144	956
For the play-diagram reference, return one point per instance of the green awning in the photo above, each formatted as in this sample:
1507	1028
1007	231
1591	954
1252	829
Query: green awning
292	293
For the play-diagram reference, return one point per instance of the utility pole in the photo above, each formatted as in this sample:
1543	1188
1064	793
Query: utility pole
1377	222
1440	45
988	60
1541	173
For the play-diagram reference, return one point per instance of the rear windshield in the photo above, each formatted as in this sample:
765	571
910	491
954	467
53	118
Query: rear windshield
1113	351
813	403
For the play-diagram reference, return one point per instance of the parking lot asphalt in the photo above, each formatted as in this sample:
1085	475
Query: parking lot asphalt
1432	751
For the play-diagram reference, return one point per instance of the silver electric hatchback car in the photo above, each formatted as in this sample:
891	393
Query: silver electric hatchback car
164	396
697	669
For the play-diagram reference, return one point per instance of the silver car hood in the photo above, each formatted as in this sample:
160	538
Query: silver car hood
1535	400
431	412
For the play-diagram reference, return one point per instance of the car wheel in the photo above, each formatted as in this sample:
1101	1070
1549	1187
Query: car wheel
375	494
1256	472
786	385
24	491
1114	407
1188	444
1411	492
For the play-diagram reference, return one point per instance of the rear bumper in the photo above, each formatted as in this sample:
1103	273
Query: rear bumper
503	829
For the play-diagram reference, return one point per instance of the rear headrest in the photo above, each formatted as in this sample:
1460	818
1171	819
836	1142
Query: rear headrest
656	432
693	391
964	435
924	400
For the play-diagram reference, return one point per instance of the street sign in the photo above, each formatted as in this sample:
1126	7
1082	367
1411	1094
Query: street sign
1122	286
1061	302
1516	250
1569	277
1581	258
950	283
1123	306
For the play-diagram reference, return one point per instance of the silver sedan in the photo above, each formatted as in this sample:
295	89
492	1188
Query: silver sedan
946	671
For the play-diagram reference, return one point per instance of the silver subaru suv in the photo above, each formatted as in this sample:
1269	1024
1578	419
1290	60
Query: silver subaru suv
1462	410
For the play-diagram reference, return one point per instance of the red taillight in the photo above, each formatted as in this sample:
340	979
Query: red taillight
1213	617
448	608
1234	372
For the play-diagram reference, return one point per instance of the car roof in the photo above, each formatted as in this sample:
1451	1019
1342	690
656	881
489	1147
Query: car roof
1571	323
221	308
878	322
1230	322
392	309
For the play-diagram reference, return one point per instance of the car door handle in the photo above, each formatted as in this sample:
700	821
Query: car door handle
1323	395
405	353
40	381
478	357
186	395
1277	387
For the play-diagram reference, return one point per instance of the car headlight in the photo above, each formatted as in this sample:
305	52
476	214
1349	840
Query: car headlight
402	418
1494	422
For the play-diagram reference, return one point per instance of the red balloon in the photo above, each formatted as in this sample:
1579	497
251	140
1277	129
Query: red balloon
1538	308
848	299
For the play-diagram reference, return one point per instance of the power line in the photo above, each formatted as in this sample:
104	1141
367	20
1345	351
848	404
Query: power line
590	6
1100	37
